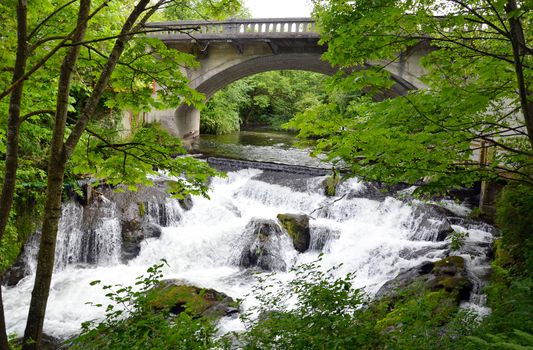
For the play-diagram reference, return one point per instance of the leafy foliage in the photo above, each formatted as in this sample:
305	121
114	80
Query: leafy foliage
265	99
468	92
9	247
514	208
221	114
457	239
419	318
132	323
317	310
327	314
202	9
509	326
146	152
57	31
146	60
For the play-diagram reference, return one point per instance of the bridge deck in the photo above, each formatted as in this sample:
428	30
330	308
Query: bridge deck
257	28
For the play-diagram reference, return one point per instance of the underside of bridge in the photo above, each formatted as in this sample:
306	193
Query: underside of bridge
188	118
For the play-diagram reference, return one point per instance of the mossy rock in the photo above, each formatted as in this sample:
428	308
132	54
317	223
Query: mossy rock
448	274
451	264
452	283
297	226
416	308
330	184
422	301
177	297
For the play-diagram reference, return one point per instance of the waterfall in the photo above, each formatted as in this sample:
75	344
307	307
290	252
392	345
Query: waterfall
85	236
213	244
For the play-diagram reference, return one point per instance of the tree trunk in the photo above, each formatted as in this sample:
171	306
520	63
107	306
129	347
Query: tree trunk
518	43
11	163
52	209
120	44
45	265
59	154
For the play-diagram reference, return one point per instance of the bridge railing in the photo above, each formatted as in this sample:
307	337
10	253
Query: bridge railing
234	28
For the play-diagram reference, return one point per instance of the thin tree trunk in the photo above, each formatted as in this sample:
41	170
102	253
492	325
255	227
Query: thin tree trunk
120	44
519	51
59	154
11	163
4	345
52	208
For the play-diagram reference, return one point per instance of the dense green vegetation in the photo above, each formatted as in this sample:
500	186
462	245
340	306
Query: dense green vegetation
478	78
267	99
66	67
510	292
58	110
145	328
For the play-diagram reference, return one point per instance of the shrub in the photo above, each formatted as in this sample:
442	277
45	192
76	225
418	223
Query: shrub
131	322
328	314
514	215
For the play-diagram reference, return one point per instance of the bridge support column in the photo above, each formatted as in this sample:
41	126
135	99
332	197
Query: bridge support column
188	121
183	122
167	119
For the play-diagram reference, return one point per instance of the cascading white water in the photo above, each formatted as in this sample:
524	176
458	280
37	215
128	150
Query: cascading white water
99	245
374	239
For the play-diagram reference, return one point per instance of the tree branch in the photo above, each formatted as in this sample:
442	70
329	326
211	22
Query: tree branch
50	53
37	112
43	22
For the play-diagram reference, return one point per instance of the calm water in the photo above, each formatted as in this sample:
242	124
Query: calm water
258	145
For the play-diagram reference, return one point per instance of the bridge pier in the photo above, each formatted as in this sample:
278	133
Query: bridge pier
187	121
183	122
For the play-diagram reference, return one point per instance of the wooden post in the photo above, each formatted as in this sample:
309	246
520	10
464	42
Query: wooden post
489	189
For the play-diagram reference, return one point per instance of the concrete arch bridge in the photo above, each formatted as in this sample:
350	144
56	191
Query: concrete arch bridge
230	50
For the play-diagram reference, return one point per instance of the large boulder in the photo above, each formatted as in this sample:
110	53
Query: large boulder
16	272
176	297
133	233
186	203
448	274
432	222
263	244
297	226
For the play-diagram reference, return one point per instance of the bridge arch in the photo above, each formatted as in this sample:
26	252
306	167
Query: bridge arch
242	69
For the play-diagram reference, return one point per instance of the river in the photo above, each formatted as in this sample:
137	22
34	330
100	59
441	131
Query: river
376	236
258	145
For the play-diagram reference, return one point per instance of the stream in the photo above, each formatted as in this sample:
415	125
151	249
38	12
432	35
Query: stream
374	234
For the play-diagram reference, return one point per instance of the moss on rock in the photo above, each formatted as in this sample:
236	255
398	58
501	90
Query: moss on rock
448	274
297	226
330	184
450	264
177	297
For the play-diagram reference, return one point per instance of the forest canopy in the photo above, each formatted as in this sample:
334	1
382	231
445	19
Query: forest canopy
478	96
